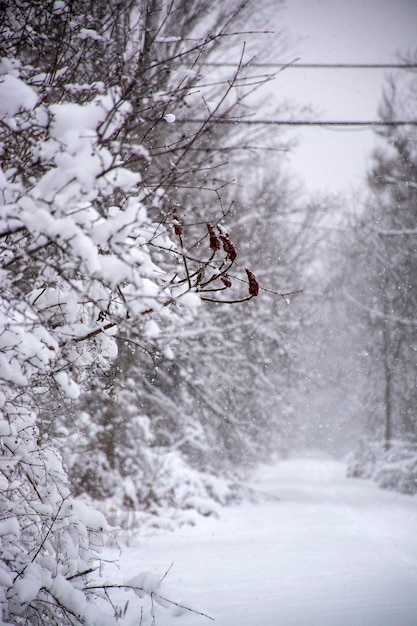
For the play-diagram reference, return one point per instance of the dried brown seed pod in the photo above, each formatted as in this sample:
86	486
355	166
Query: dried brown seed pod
178	227
226	281
253	283
228	246
214	240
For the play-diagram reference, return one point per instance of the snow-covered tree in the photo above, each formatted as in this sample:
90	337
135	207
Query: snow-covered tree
390	227
385	295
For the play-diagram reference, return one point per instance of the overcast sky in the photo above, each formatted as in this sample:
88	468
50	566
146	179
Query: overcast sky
341	31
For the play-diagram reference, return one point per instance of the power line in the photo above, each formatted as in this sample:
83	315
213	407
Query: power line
340	123
325	66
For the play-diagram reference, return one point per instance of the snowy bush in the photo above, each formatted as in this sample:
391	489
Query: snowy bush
50	543
63	256
174	495
395	468
92	255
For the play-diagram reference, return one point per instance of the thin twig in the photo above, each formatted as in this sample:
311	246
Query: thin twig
153	594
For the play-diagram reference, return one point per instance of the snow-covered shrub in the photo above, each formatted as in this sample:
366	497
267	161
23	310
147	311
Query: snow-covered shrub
174	495
91	254
74	266
63	253
395	468
49	542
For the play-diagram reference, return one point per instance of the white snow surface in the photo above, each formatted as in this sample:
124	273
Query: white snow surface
325	550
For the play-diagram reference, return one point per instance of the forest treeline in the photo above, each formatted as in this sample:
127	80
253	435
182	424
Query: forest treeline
160	328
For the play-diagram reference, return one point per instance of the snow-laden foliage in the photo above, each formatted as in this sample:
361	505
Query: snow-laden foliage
75	265
141	244
94	256
66	249
49	541
395	468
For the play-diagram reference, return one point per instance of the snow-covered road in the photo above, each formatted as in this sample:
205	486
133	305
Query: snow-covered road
331	551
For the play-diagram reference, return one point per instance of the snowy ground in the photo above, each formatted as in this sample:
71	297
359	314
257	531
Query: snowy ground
331	551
